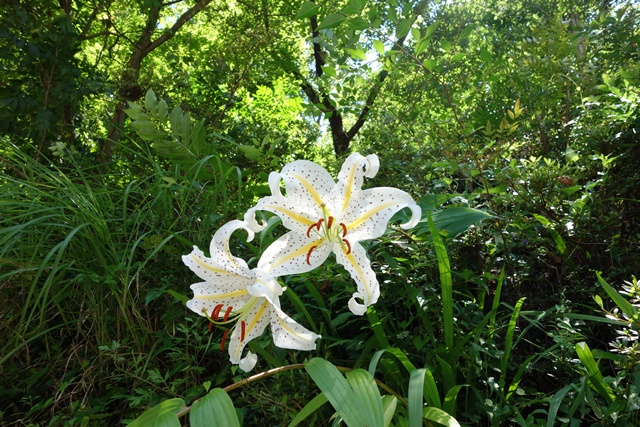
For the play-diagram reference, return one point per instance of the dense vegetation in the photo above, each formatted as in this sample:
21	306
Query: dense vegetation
131	131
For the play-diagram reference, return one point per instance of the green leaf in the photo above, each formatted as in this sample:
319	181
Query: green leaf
455	220
150	101
332	20
595	376
354	7
439	416
307	10
430	29
164	414
485	55
430	64
215	409
403	27
357	54
445	45
416	390
309	409
446	282
358	23
337	389
378	46
250	152
617	298
367	394
389	405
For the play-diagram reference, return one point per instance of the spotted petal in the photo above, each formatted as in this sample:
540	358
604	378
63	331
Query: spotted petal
359	267
369	211
294	253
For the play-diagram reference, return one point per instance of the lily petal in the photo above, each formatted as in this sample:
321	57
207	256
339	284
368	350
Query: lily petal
248	362
369	211
294	215
359	266
293	253
256	320
351	178
287	333
206	298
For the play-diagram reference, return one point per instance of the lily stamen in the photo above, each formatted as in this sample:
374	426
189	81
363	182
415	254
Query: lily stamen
224	339
309	253
227	313
346	242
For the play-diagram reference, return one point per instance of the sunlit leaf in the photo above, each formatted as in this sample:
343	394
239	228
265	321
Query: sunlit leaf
307	10
164	414
332	20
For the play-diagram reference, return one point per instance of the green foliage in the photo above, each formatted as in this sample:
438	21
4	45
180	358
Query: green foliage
515	125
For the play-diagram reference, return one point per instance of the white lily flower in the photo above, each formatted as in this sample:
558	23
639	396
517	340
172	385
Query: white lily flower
247	298
325	216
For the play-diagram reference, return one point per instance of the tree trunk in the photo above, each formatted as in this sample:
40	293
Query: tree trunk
129	89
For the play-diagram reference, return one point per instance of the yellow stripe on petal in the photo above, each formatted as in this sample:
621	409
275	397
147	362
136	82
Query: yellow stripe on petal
310	188
214	297
293	215
347	194
257	317
304	250
370	213
360	274
207	266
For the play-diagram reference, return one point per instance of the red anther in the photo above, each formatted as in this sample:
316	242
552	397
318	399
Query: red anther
309	253
227	313
344	229
329	222
216	311
319	223
210	326
224	339
346	242
243	325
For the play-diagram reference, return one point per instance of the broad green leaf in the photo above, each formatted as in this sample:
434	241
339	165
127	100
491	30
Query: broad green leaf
445	45
357	23
430	64
439	416
329	70
389	406
430	29
337	389
309	409
431	394
354	7
307	10
378	46
250	152
485	55
617	298
164	414
357	54
367	394
403	27
554	405
332	20
151	101
595	376
446	282
466	32
457	219
415	399
215	409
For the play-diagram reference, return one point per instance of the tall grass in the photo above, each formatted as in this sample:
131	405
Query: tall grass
81	257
